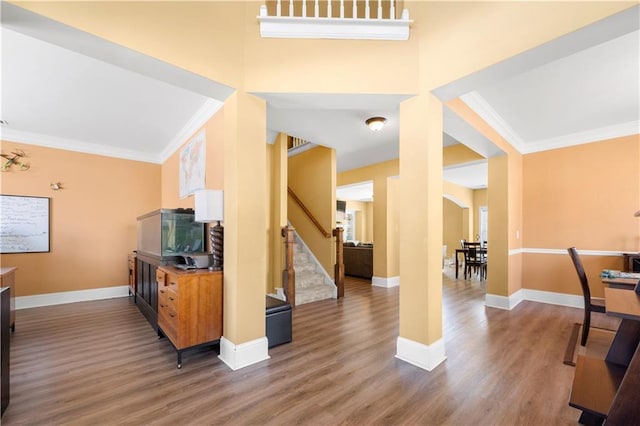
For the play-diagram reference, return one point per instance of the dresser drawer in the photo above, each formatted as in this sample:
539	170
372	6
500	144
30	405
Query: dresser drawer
168	297
168	322
161	277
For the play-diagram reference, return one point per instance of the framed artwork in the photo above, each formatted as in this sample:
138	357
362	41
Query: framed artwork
24	224
192	165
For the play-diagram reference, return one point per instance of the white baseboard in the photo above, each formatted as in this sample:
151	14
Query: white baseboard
508	303
424	356
562	299
38	300
503	302
385	282
244	354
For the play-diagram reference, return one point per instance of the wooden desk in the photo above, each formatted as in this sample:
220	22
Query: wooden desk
624	283
608	387
461	250
8	279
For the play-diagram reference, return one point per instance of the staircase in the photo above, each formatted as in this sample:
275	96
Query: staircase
311	284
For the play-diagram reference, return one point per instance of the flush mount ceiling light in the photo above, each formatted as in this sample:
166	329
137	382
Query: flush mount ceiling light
376	123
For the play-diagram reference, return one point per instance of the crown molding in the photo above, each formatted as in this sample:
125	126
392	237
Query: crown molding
199	119
48	141
208	109
579	138
481	107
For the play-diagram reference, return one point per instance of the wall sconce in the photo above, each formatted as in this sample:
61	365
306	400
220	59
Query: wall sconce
376	123
56	186
637	214
209	206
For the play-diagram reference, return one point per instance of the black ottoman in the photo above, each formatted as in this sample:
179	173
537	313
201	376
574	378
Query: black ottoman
278	321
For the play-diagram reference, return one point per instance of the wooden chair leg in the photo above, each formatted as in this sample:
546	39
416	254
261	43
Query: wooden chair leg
585	327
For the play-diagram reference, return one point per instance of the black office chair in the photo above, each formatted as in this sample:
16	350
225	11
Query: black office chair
591	304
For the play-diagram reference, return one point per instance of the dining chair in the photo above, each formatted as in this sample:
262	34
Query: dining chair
474	259
591	304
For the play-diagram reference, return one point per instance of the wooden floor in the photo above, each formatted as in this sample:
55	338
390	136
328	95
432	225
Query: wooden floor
100	363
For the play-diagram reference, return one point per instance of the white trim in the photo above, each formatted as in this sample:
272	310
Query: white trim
564	252
38	139
208	110
504	302
387	282
481	107
334	28
579	138
244	354
424	356
553	298
50	299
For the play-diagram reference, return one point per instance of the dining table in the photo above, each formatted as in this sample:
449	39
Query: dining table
482	250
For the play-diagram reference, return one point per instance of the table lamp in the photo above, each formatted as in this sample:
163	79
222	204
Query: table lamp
209	206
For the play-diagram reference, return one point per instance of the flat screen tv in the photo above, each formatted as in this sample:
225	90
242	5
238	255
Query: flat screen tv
341	210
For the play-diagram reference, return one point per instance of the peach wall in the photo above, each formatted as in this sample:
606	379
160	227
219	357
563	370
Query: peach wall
201	37
585	198
452	229
312	176
214	133
583	195
456	154
93	219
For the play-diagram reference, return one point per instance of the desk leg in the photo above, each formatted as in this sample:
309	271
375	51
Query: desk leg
624	343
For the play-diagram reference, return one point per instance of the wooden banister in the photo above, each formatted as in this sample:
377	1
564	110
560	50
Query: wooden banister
289	274
339	267
308	213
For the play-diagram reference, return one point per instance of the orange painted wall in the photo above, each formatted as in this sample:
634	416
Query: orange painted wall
319	196
93	219
586	198
214	179
452	229
583	195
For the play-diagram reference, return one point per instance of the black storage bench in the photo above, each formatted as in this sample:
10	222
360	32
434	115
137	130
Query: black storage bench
278	321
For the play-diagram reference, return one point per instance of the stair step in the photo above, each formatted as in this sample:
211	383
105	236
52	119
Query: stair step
308	279
314	294
305	267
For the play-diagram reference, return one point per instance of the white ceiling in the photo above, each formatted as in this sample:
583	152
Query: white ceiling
67	89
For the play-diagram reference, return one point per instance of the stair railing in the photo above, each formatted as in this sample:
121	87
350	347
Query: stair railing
339	267
310	215
289	274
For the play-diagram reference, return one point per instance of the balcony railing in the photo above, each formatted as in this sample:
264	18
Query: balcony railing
368	19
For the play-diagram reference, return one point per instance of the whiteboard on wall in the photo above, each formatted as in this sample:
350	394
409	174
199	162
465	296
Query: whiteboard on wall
24	224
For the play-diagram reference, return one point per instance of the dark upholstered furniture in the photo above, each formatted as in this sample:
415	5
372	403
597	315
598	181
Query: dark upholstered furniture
358	261
278	321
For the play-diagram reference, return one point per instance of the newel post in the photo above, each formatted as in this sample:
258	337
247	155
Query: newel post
289	274
339	268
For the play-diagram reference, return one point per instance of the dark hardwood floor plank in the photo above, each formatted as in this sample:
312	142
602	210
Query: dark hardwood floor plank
100	363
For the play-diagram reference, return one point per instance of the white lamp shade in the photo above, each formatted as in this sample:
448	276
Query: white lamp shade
209	205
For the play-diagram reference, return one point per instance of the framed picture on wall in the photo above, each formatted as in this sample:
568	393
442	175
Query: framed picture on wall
192	165
24	224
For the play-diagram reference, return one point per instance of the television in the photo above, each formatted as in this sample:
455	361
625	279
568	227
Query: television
341	210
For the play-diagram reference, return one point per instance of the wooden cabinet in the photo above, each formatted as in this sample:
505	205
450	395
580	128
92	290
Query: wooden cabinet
189	307
8	279
146	288
132	274
5	341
